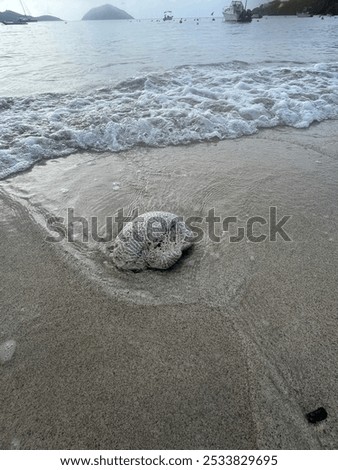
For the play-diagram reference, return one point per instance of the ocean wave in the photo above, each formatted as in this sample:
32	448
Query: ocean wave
180	106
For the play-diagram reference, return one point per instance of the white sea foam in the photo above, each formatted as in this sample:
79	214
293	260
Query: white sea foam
186	104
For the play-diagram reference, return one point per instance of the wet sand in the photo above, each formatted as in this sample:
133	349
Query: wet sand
228	350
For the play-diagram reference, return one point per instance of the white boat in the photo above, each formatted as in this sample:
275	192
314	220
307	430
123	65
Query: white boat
168	16
28	18
237	13
21	20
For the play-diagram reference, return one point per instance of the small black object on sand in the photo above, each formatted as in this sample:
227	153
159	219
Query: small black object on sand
317	415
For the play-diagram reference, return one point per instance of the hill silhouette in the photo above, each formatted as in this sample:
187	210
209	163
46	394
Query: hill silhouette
10	15
107	12
291	7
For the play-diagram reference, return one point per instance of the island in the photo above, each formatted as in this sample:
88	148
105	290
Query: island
292	7
107	12
10	16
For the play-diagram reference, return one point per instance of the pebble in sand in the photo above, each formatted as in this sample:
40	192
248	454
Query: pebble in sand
7	350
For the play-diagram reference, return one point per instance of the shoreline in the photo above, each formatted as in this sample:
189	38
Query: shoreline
230	350
141	148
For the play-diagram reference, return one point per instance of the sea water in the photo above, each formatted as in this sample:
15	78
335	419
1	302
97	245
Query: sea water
115	85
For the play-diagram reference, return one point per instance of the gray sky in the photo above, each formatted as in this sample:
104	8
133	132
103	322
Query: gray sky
75	9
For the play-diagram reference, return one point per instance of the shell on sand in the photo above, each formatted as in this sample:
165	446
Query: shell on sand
152	240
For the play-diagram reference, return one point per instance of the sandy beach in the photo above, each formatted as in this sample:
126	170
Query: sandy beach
230	349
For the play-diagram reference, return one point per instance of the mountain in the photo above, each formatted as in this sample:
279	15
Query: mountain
291	7
107	12
9	15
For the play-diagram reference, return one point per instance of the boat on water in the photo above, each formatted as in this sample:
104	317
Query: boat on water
237	13
20	21
168	16
28	18
305	14
25	19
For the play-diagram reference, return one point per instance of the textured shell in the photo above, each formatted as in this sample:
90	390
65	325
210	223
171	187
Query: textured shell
153	240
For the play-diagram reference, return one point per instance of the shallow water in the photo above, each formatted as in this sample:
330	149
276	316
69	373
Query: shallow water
293	170
59	57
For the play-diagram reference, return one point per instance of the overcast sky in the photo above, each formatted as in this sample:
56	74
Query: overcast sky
75	9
